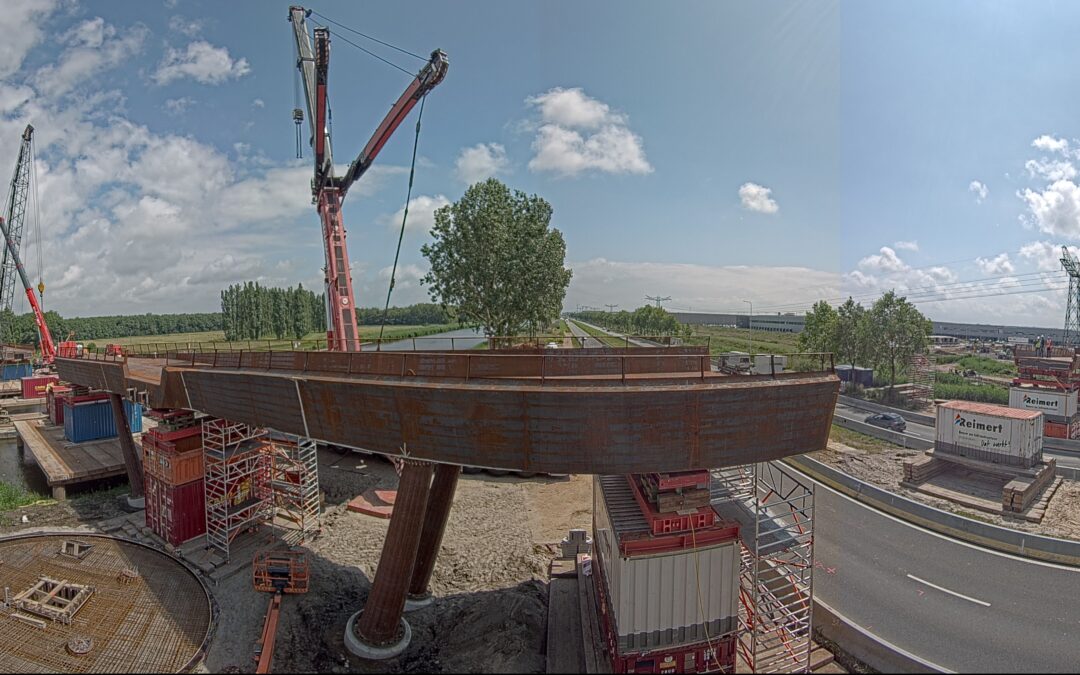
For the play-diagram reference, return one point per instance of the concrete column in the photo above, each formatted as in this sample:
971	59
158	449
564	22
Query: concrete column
376	633
132	456
440	500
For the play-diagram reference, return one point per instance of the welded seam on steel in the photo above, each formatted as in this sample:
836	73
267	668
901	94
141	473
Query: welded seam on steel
300	400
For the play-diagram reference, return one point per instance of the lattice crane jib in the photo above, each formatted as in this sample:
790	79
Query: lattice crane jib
1072	303
328	190
15	215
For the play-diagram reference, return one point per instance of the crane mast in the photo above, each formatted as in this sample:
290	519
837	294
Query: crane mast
48	348
328	191
15	215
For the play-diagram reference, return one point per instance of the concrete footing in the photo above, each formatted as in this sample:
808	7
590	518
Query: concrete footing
137	504
415	602
358	647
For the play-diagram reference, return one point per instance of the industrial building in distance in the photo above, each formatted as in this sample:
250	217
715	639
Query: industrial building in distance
793	323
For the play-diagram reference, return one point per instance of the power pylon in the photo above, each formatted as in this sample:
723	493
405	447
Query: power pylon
611	308
1072	304
657	298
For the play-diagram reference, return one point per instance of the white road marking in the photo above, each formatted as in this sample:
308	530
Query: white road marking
945	590
951	540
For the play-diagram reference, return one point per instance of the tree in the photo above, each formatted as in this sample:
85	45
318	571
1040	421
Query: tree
898	331
851	333
496	260
820	331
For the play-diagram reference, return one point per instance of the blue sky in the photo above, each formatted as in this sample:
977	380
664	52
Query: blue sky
715	152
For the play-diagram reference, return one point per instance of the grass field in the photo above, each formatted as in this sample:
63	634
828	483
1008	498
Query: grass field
366	333
854	439
736	340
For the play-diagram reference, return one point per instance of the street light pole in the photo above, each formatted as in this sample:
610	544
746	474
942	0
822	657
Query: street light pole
749	302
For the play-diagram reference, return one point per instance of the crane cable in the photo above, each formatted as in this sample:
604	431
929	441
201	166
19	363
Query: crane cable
353	30
404	218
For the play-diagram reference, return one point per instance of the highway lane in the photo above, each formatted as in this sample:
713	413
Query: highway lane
962	607
578	331
1064	458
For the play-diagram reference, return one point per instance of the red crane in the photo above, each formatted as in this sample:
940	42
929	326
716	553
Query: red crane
328	190
48	348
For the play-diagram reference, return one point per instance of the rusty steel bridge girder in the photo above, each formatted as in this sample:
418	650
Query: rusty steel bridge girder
590	411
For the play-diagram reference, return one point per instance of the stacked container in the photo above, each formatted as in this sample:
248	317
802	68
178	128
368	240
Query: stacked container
54	403
1059	409
990	433
91	420
37	386
173	473
16	371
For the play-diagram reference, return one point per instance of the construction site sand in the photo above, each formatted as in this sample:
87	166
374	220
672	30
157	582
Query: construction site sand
490	610
884	468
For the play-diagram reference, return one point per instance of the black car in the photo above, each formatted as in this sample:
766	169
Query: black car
887	420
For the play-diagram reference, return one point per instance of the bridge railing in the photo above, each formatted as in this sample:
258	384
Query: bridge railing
542	364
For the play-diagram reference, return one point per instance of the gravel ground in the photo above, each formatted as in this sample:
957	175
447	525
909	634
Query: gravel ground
490	608
885	469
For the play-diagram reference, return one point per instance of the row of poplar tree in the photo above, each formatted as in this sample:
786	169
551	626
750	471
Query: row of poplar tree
250	311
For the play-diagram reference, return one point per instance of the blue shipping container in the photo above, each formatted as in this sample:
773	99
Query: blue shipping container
16	371
93	420
864	376
844	373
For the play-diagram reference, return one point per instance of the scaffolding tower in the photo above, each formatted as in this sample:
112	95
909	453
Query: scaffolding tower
921	370
775	510
237	481
294	482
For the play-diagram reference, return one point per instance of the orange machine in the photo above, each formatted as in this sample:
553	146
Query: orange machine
277	572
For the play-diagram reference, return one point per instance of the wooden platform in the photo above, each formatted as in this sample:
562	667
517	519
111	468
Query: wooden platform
65	463
15	406
10	388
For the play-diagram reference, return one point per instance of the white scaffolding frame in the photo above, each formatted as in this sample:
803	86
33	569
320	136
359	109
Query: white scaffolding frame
237	481
775	509
294	481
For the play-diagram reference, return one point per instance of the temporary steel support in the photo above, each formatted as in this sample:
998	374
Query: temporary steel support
237	480
381	632
294	481
443	486
776	576
132	455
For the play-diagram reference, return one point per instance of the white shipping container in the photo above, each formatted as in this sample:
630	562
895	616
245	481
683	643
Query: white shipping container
1049	401
1004	434
660	600
763	363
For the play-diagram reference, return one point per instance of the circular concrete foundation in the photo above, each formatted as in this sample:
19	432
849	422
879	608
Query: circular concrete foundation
91	603
413	603
371	652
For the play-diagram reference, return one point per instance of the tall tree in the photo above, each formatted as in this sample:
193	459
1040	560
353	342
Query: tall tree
898	331
496	260
820	331
851	333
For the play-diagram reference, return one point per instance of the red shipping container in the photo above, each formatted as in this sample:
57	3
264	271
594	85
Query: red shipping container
37	385
176	513
1055	430
171	467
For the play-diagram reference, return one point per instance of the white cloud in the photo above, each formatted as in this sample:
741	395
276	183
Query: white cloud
997	265
421	214
1048	143
906	245
1045	255
176	106
20	24
258	103
93	46
979	190
885	260
578	133
202	62
181	25
481	161
756	198
1055	209
1051	170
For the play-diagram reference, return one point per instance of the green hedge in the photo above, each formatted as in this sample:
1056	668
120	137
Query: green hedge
971	392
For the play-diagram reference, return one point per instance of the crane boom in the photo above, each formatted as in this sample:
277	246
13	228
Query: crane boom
18	196
313	62
48	348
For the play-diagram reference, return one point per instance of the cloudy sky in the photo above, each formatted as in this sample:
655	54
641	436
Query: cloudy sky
772	152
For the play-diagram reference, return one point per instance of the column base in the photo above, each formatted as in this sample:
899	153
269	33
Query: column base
358	647
137	504
415	602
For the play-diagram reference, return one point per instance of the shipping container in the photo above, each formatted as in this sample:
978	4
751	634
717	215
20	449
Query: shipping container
1053	429
54	403
1059	406
37	385
93	420
16	371
766	364
845	373
176	513
864	377
663	600
171	467
990	433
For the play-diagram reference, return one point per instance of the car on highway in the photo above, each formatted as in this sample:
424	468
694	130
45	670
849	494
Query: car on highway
553	345
887	420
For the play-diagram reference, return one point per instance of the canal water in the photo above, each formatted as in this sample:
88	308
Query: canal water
18	468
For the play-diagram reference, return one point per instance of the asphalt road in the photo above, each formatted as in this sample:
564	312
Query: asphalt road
578	331
962	607
1064	458
464	338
